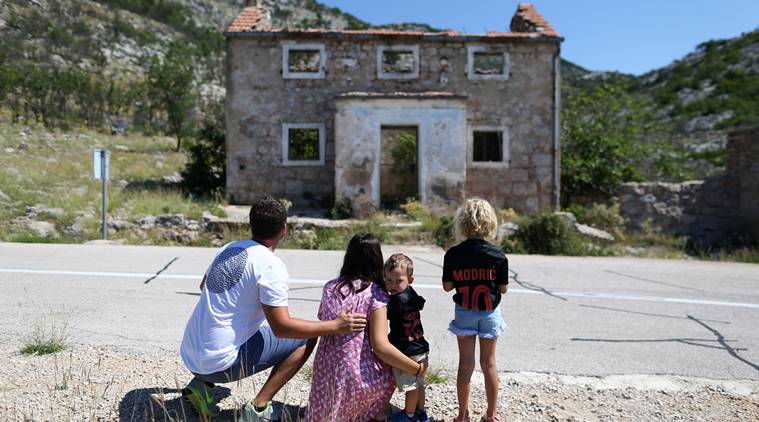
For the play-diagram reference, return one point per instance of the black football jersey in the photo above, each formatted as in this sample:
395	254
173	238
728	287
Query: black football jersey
476	267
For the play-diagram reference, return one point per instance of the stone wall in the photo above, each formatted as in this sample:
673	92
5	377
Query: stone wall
713	211
260	100
743	160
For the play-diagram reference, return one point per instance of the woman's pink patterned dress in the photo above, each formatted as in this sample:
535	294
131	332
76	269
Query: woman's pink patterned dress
349	382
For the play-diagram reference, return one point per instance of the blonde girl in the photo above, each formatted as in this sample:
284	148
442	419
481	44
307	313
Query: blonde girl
479	273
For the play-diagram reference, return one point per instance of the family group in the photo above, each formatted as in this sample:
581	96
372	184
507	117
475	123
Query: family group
242	325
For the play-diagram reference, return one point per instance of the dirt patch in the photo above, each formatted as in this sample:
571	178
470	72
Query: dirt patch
88	383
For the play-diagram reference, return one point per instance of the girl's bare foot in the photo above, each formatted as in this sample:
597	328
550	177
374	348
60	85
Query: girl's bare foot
462	418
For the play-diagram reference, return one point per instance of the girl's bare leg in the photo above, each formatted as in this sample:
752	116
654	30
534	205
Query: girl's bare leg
489	370
464	376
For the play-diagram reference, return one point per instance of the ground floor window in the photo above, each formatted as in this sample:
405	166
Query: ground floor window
490	147
303	144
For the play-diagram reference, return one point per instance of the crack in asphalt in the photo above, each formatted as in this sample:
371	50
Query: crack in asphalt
534	287
428	262
161	270
689	341
635	277
721	339
647	313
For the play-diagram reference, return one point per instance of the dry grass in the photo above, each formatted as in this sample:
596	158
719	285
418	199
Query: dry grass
54	169
45	342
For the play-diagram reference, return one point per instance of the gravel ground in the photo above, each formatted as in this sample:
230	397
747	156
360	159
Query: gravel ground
87	383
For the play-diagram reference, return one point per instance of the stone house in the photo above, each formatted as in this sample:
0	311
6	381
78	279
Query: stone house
377	116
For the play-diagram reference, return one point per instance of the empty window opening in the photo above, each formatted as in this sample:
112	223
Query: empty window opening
304	61
398	165
303	144
488	146
398	62
488	64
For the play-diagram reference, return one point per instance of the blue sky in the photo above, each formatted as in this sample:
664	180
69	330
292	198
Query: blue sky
632	36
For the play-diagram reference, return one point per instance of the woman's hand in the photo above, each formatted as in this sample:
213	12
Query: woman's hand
423	366
346	323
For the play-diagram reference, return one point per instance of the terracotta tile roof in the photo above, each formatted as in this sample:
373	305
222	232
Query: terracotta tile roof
527	19
526	23
247	20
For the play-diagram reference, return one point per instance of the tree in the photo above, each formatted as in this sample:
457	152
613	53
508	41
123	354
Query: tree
171	84
205	172
608	137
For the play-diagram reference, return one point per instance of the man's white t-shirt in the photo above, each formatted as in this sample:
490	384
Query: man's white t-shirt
244	275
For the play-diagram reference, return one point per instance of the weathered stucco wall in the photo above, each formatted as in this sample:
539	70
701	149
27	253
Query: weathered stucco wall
260	100
441	144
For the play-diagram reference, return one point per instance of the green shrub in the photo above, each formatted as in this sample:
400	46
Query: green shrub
604	217
510	245
548	234
444	236
416	211
43	342
205	173
342	210
507	215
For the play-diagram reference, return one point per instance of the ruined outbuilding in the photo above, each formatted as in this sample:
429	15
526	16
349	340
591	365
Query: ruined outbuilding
376	116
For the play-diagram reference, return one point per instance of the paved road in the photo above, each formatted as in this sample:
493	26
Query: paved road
578	316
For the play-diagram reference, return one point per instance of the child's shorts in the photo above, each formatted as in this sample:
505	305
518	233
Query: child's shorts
409	382
485	324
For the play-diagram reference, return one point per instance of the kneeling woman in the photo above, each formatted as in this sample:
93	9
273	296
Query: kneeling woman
352	379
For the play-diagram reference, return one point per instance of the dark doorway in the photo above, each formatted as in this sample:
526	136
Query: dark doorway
399	176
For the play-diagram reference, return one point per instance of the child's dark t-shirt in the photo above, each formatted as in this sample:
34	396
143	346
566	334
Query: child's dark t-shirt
406	332
476	267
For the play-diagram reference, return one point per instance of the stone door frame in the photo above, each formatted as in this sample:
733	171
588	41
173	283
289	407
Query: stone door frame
441	148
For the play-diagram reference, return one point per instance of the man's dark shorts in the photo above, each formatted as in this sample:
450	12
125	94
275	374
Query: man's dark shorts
262	351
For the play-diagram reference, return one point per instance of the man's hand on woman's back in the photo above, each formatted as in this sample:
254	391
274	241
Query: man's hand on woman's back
349	323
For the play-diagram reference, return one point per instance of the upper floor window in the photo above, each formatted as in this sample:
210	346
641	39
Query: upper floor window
398	62
484	62
303	61
489	147
302	144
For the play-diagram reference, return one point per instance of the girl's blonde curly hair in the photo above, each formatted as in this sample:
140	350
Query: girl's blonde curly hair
476	219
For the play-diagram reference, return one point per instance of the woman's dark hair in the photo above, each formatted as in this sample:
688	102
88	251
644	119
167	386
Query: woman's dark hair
267	216
363	260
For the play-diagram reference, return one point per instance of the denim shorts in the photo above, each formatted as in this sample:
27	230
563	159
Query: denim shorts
485	324
262	351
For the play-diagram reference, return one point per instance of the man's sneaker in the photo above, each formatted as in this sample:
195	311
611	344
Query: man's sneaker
402	417
250	414
421	416
202	399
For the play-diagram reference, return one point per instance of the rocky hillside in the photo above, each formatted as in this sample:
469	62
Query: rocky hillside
700	96
714	88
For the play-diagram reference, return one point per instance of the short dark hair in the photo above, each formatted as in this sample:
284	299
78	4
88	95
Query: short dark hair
267	216
362	261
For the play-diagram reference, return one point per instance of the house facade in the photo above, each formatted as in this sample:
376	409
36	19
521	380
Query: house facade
374	116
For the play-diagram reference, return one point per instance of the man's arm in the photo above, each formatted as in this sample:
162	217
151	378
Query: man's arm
285	326
447	286
202	282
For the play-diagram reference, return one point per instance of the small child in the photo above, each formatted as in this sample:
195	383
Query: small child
479	271
406	334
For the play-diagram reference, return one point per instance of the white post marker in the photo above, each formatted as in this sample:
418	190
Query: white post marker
101	169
